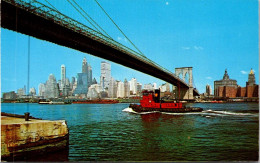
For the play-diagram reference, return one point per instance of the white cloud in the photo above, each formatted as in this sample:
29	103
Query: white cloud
208	77
119	38
185	48
244	72
198	48
167	3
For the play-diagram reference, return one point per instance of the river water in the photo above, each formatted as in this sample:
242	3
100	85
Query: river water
113	132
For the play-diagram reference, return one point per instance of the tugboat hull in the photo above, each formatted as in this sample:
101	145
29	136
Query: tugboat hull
139	108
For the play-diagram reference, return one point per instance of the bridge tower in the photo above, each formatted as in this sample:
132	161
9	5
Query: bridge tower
185	74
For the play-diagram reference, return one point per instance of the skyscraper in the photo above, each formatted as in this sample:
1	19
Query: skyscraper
120	89
51	88
133	86
63	76
127	88
84	65
112	89
82	79
208	90
41	89
89	75
105	75
251	78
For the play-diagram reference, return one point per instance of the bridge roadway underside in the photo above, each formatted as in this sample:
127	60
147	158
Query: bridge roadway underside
19	20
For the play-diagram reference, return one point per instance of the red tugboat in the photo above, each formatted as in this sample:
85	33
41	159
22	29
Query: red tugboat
151	102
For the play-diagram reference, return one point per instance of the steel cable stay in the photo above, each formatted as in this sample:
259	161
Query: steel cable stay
91	19
83	15
119	28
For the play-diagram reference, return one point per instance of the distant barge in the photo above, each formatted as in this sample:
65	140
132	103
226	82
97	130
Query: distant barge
151	102
96	102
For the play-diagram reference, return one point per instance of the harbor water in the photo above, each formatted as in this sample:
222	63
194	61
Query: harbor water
113	132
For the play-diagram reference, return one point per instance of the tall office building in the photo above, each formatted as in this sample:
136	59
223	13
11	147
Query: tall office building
51	88
63	76
32	91
120	90
208	90
154	86
251	78
126	88
225	87
139	89
89	75
112	89
133	86
84	65
105	75
82	79
41	89
148	87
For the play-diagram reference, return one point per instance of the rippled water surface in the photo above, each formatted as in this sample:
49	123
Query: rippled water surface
113	132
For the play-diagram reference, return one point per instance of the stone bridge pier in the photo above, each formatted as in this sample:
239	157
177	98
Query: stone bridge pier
185	74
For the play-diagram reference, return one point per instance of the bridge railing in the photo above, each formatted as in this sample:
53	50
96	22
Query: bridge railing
48	13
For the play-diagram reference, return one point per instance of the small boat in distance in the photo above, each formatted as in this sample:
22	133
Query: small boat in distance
99	101
54	102
151	102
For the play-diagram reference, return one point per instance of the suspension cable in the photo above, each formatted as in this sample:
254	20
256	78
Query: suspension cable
118	27
51	5
83	16
91	19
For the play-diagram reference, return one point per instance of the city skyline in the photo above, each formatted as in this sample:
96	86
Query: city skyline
207	36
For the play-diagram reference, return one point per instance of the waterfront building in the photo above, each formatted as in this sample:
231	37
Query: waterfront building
251	87
139	89
226	87
66	88
89	75
41	89
120	90
133	86
21	92
208	90
32	91
126	88
148	87
94	92
154	86
51	88
9	95
112	89
63	77
82	80
82	84
165	87
105	75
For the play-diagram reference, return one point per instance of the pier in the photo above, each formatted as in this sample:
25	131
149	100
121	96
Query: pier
25	136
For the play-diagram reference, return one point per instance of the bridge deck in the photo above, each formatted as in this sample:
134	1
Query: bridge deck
46	27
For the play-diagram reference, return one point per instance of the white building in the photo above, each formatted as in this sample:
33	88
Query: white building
41	89
112	89
126	88
105	75
94	91
120	90
148	87
154	86
63	77
51	88
133	86
165	87
32	91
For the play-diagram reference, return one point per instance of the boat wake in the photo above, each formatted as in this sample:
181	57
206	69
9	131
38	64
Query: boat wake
130	110
207	113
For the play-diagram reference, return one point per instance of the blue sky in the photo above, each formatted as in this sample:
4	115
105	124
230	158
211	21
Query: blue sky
208	35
